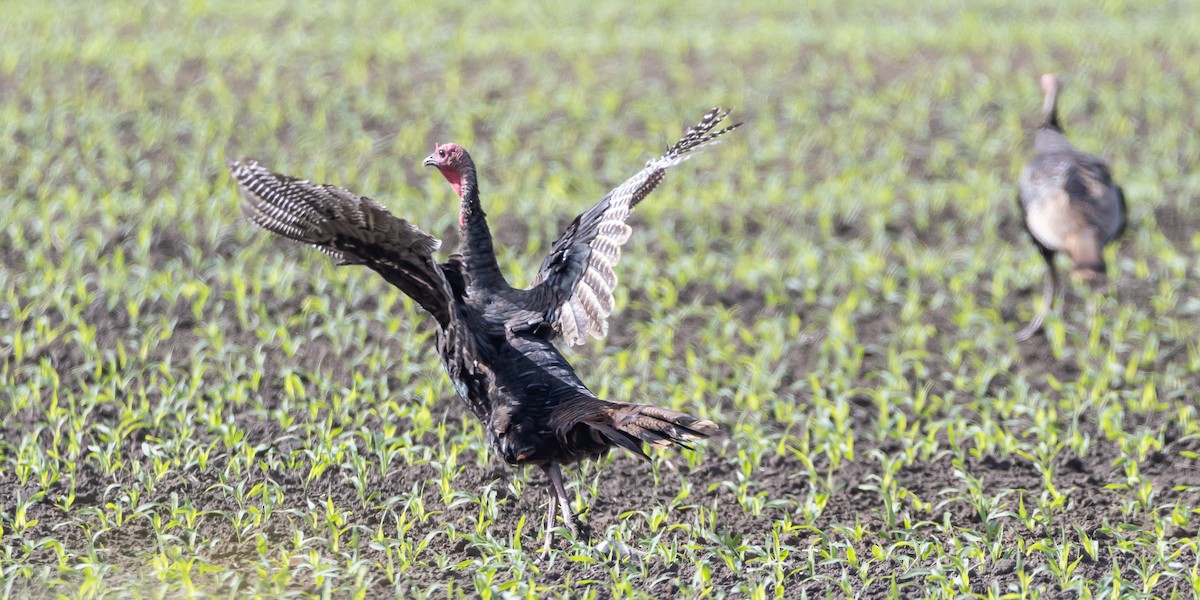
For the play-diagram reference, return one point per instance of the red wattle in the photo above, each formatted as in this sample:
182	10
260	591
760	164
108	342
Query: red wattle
455	179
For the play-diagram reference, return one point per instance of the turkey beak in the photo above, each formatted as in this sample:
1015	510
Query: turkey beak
431	161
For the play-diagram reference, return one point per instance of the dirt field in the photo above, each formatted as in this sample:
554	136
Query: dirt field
623	483
190	406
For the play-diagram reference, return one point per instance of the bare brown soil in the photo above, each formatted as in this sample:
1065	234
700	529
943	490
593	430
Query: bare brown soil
629	484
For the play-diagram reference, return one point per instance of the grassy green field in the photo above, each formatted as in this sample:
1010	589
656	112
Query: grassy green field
190	406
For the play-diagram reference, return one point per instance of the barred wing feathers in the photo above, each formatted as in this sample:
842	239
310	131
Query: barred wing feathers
573	290
352	229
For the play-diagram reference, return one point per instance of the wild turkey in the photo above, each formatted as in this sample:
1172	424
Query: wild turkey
1069	202
495	342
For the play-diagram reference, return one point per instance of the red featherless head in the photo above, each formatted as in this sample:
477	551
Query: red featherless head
453	161
448	157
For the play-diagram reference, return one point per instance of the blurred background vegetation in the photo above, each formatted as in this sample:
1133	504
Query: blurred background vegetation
844	274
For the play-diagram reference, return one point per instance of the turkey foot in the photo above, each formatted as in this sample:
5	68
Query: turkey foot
558	500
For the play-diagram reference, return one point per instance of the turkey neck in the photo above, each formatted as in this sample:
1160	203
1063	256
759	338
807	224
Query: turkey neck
477	250
1049	136
1050	112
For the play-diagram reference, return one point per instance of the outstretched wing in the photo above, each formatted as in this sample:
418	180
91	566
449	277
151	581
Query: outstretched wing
352	229
573	291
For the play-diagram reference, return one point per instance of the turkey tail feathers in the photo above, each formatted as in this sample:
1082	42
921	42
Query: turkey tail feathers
630	425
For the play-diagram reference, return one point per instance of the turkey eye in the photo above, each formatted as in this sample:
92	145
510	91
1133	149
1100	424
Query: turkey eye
442	153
